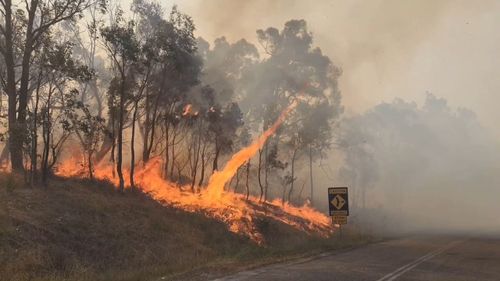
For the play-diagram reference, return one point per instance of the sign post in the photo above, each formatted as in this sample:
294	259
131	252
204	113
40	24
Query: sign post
338	205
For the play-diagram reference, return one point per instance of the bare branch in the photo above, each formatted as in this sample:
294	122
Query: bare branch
2	30
2	81
27	5
62	14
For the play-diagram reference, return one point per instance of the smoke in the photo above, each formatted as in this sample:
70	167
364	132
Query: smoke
386	48
372	41
429	167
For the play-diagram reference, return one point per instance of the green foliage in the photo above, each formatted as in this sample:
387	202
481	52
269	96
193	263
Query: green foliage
121	41
59	57
80	119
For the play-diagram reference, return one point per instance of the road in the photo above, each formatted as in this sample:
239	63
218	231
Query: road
416	258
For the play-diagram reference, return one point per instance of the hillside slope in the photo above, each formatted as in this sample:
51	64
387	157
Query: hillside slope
82	230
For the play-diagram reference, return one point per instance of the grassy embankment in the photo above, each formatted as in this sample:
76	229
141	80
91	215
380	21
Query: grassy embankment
83	230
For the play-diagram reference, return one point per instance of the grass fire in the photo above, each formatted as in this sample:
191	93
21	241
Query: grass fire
229	207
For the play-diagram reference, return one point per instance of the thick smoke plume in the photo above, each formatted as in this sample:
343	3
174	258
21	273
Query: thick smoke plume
428	167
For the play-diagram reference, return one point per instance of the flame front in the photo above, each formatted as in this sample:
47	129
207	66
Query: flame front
219	179
229	207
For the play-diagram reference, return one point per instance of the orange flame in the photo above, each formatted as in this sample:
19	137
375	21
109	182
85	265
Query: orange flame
187	109
229	207
5	167
219	179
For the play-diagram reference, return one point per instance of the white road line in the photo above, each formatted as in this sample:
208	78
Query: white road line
405	268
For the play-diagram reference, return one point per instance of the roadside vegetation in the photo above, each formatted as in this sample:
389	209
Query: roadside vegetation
85	230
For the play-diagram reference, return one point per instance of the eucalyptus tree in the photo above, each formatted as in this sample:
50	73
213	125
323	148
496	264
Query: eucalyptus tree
224	123
23	27
225	66
170	53
90	127
85	34
57	72
123	49
294	70
359	169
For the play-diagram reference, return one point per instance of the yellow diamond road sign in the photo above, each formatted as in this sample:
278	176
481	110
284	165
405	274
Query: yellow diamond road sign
338	202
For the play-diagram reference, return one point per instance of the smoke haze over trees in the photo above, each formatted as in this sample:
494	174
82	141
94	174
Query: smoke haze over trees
427	165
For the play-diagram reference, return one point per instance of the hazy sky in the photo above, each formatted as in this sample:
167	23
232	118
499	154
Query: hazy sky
386	48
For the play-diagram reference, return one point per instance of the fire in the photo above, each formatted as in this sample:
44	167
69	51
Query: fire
231	208
220	178
187	109
5	167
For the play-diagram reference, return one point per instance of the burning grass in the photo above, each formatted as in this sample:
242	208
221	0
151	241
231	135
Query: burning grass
226	206
90	232
231	208
77	229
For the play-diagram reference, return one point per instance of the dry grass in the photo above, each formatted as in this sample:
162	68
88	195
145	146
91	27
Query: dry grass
83	230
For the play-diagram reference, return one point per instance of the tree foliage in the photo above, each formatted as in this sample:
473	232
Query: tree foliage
144	82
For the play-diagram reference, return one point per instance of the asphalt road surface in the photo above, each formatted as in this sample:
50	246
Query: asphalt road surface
416	258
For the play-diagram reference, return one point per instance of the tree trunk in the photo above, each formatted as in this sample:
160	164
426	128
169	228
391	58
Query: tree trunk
47	128
167	136
259	168
246	181
151	128
237	180
293	175
203	163
147	126
215	165
194	170
179	176
283	195
46	150
132	144
34	143
15	139
172	145
229	184
91	168
299	196
45	154
266	171
108	141
311	175
23	89
113	145
119	161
